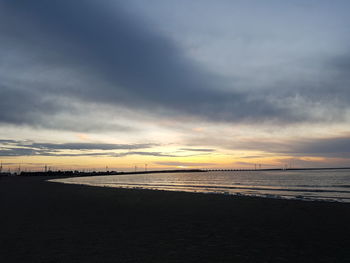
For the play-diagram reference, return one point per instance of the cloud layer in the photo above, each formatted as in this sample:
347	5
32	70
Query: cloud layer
172	70
65	52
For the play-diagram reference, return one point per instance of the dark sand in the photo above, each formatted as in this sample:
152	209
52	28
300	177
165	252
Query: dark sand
52	222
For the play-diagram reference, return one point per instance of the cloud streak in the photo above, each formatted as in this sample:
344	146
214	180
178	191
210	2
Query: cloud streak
14	148
198	149
26	148
88	146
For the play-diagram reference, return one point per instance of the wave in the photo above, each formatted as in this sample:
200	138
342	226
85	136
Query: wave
265	188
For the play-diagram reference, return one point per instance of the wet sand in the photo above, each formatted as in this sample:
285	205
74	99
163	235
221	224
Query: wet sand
50	222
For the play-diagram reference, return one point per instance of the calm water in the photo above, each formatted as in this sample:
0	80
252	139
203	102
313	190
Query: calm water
331	185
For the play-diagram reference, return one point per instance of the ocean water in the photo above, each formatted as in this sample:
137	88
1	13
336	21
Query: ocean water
329	185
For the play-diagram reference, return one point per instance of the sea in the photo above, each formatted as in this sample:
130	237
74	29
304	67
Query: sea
326	185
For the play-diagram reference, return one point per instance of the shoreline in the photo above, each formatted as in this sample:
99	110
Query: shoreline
267	196
47	222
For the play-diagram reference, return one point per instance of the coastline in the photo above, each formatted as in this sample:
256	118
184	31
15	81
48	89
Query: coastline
267	196
51	222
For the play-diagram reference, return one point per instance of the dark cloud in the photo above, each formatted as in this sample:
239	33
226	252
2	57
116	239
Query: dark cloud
333	147
8	152
20	106
322	147
5	142
117	60
89	146
28	148
13	152
60	52
36	108
322	95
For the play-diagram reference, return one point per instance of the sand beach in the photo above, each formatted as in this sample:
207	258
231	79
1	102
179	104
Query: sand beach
51	222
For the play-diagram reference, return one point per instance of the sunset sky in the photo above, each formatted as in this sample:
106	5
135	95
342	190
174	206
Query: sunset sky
174	84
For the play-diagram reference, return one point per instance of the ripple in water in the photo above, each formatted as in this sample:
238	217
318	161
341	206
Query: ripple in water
329	185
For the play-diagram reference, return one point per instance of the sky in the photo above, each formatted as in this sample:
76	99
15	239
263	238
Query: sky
116	84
